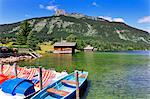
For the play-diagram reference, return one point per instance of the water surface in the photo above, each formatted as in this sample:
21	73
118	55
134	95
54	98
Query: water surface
112	75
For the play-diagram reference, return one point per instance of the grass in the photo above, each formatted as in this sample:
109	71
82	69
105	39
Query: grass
10	44
45	47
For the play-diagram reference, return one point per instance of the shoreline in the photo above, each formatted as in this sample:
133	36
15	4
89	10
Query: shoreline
12	59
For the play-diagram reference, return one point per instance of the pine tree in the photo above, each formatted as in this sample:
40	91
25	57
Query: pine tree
71	38
25	29
32	40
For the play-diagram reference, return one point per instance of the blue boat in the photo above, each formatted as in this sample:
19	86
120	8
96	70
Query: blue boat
64	88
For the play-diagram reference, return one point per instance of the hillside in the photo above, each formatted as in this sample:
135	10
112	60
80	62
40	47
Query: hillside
92	30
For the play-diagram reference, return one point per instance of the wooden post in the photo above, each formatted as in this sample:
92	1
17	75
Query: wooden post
1	68
15	64
40	77
2	65
77	85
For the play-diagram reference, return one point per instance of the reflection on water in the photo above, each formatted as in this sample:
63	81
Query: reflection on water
111	75
61	59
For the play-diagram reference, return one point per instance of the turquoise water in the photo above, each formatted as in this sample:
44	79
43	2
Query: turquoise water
112	75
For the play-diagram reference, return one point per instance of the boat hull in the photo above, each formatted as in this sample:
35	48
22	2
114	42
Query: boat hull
62	90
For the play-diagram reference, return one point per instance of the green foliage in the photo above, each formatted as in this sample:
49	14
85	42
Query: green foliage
53	41
4	40
21	39
71	38
32	40
25	29
80	44
21	46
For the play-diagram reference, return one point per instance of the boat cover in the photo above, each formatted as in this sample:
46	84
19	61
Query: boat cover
2	78
18	86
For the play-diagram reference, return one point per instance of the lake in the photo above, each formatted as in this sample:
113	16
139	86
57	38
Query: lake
112	75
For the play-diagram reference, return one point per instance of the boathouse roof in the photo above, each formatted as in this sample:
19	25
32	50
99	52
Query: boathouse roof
65	44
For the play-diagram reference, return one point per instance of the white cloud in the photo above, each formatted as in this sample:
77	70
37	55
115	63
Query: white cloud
41	6
27	15
112	19
49	7
95	4
53	8
145	19
118	20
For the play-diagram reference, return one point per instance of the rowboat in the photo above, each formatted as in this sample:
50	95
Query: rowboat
64	88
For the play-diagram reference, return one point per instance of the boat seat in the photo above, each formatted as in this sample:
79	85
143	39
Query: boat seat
58	92
68	82
82	75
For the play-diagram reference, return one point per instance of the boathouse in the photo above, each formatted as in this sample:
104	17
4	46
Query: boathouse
64	47
88	48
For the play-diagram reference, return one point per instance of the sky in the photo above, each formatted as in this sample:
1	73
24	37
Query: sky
135	13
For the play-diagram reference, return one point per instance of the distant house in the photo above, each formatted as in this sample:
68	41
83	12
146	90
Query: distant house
64	47
88	49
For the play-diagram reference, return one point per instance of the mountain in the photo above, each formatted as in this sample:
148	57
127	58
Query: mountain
98	32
